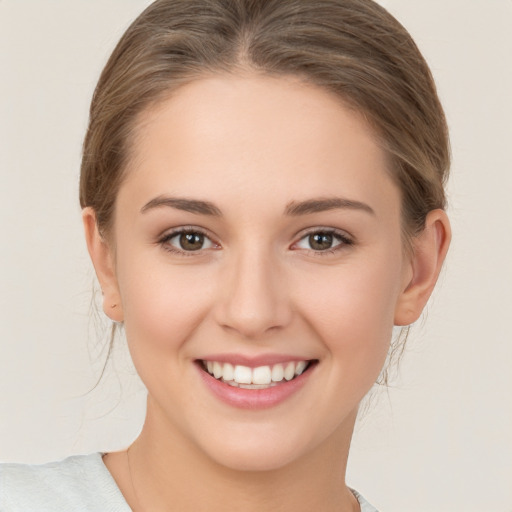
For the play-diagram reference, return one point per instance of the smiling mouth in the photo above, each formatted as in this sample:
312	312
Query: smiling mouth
261	377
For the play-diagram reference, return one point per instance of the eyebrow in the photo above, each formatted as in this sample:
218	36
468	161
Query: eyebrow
323	204
294	208
187	205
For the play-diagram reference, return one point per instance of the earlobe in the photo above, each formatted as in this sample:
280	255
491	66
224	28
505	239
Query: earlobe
103	260
429	252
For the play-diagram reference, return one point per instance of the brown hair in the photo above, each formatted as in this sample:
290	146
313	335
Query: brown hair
353	48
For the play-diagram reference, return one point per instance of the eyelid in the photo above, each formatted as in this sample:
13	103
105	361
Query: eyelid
343	236
173	232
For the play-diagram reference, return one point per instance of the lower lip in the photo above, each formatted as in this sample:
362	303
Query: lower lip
254	398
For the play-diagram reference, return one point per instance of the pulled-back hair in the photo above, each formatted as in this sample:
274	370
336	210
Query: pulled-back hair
353	48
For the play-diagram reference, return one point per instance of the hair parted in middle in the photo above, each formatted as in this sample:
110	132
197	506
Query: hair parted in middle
352	48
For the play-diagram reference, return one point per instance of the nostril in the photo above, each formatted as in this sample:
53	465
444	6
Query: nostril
251	301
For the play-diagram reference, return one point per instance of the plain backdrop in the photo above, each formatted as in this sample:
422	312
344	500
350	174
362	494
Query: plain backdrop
439	440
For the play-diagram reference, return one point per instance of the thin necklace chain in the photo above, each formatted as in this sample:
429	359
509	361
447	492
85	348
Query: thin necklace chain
137	501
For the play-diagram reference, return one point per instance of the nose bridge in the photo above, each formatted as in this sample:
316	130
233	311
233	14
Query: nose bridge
254	299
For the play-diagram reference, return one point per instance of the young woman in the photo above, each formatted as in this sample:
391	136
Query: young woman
262	193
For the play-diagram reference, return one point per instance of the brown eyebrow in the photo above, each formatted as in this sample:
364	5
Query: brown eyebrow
187	205
324	204
293	208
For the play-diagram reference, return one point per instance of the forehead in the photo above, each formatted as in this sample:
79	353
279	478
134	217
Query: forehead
279	137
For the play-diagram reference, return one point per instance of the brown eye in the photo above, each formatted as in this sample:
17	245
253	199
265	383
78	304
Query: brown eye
187	241
191	241
324	241
320	241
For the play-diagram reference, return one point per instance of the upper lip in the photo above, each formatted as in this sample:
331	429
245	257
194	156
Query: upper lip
253	361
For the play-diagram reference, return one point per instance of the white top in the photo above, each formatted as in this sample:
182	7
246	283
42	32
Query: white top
77	484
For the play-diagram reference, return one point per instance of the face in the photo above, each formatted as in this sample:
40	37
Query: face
257	237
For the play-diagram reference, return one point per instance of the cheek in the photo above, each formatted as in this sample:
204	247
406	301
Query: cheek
162	305
352	311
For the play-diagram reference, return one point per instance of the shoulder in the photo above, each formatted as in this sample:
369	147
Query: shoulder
365	506
79	483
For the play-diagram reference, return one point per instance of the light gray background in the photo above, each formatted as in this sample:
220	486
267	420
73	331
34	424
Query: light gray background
439	440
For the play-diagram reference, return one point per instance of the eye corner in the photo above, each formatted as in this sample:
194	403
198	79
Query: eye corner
185	237
329	241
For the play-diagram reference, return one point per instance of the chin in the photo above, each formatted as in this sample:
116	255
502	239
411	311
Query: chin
264	447
257	457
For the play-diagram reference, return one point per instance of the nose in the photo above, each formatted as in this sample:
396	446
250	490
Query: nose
254	296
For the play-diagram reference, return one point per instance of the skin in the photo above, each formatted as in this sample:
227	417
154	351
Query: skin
252	146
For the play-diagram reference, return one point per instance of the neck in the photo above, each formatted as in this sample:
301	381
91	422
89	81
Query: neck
167	472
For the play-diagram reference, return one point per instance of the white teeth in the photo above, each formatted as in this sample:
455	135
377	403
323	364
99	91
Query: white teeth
254	378
301	366
289	371
228	372
243	375
217	370
277	373
262	375
250	386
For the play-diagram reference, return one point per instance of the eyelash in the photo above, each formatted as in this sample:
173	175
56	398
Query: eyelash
341	236
164	241
344	239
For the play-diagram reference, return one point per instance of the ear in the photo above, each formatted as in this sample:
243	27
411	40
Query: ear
102	257
429	251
